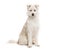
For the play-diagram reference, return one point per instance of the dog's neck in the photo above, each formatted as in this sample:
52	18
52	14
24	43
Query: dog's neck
33	18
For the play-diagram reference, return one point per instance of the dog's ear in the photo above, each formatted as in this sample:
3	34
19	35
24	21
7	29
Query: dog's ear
36	6
28	6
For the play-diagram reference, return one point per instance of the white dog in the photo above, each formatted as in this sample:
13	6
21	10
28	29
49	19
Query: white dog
29	32
28	36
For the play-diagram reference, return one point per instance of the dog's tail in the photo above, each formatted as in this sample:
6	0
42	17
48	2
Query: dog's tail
12	41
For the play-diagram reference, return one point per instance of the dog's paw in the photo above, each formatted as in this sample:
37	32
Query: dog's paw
29	46
37	45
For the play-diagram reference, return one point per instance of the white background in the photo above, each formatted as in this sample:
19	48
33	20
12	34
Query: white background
13	16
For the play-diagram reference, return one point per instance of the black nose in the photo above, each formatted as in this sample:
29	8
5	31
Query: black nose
32	14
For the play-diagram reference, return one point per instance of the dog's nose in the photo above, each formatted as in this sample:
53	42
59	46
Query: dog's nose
32	14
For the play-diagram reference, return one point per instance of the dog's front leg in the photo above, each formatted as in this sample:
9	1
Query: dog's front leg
29	39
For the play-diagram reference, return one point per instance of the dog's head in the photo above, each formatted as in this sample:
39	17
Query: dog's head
32	10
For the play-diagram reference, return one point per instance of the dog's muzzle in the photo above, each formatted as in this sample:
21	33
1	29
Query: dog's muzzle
32	14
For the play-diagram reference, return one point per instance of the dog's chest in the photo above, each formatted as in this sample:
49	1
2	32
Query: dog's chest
33	24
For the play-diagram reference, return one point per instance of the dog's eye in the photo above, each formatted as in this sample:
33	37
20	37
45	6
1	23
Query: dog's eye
34	10
30	10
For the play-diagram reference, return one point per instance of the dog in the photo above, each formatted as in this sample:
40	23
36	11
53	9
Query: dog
28	35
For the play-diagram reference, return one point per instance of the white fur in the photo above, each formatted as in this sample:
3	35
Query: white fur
29	32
